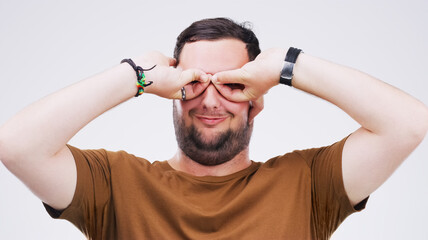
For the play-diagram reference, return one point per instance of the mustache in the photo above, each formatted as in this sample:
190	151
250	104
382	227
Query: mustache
210	112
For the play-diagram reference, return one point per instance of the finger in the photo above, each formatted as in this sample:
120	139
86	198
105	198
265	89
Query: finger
191	75
235	95
172	62
195	89
232	76
256	108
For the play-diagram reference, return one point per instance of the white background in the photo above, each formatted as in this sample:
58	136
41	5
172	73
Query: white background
47	45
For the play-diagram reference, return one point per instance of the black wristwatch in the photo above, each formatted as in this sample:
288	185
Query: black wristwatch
287	71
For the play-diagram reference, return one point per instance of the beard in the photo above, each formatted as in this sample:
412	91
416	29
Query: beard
221	148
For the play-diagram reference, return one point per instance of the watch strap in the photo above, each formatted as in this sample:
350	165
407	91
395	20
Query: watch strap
286	76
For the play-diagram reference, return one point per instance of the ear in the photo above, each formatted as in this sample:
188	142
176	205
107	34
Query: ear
256	107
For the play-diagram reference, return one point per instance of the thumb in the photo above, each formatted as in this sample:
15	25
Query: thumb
235	95
231	76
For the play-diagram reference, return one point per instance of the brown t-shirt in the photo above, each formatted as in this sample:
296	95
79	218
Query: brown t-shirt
299	195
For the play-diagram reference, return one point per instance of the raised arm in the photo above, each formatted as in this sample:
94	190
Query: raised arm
33	142
392	122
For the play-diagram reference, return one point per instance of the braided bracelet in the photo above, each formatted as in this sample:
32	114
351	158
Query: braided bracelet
141	78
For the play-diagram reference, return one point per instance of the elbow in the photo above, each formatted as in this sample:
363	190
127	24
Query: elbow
3	149
419	125
6	154
424	123
409	129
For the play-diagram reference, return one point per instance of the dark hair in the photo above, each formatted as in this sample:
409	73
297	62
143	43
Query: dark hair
215	29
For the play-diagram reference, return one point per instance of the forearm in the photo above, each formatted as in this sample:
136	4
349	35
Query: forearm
392	122
377	106
44	127
33	143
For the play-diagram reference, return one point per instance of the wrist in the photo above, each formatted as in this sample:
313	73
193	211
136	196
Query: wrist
127	78
287	71
141	82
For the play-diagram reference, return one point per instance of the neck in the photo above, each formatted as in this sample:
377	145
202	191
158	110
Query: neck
182	163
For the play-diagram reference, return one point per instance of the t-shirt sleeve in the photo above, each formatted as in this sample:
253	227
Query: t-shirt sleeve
330	202
89	206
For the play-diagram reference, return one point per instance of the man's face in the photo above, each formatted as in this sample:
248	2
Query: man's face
209	128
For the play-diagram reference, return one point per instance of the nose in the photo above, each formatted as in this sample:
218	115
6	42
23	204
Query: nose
211	98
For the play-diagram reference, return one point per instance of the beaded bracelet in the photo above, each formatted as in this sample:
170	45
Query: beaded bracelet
141	78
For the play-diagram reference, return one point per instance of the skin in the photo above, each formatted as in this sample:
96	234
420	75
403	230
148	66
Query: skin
371	154
393	123
210	112
42	160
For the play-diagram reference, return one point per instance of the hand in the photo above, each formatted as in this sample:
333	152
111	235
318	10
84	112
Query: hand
255	108
168	80
255	77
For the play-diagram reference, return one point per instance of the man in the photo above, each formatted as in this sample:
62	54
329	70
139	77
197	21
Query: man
211	189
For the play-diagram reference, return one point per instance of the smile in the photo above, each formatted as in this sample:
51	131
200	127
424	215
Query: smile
211	120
